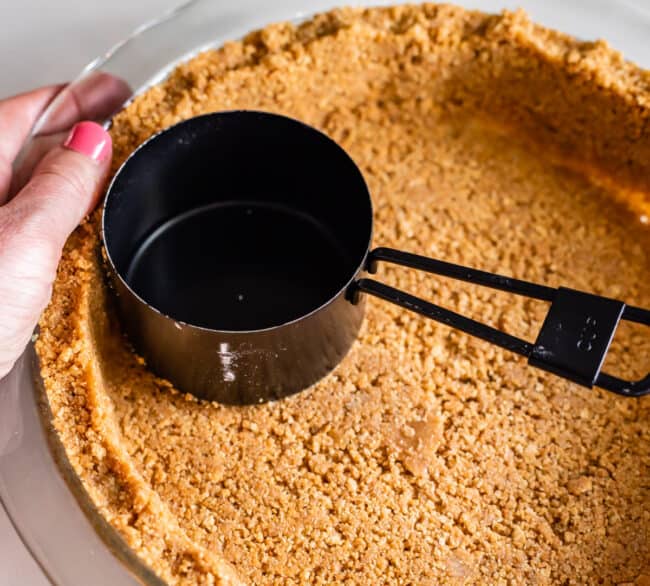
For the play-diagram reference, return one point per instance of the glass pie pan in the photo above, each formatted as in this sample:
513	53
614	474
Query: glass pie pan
44	499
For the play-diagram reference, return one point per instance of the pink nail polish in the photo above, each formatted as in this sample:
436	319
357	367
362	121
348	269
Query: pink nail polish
90	139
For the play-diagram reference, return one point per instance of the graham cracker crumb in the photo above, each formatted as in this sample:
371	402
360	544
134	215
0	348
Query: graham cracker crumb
426	457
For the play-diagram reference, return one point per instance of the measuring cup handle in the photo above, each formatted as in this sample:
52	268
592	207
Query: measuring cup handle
572	342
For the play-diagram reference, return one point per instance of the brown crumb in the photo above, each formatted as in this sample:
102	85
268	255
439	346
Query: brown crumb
579	485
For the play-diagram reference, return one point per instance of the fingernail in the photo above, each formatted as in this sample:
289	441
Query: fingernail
90	139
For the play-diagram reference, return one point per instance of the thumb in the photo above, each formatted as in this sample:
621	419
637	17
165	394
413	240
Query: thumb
34	226
65	185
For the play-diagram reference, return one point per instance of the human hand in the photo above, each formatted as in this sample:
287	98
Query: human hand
45	195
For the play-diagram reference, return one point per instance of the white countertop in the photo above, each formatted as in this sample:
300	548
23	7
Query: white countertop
46	42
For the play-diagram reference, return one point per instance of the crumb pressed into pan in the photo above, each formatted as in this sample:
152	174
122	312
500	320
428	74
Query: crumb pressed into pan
426	457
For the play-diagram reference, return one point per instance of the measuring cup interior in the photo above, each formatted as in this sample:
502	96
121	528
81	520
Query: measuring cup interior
238	221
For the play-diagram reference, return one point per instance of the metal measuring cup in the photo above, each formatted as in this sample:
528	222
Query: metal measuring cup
238	242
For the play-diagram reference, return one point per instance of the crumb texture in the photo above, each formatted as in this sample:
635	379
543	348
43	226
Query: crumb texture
427	457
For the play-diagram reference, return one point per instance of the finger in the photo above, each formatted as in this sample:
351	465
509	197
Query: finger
39	147
17	116
26	274
95	97
65	185
35	225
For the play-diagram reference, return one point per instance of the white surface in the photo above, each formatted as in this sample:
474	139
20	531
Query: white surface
45	42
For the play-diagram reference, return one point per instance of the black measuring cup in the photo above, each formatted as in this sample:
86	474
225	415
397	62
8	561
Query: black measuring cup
238	245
